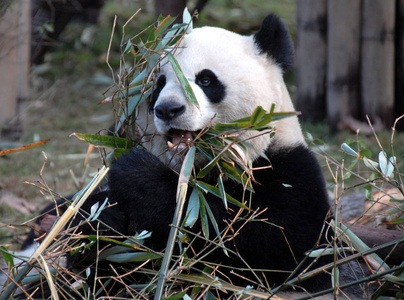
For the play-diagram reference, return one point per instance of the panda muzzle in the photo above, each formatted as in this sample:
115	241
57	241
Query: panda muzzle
179	138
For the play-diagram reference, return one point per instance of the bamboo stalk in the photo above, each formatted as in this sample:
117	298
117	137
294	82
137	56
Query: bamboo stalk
181	198
70	211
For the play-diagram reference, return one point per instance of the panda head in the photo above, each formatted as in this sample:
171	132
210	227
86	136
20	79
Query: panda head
230	75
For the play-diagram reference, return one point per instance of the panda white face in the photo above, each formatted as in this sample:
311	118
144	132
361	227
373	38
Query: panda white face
230	76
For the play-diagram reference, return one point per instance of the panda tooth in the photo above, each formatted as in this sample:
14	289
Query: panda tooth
170	145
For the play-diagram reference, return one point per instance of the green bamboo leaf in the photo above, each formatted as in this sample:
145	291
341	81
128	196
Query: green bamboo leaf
138	77
173	31
94	238
222	190
173	34
357	243
163	25
330	251
128	47
212	218
236	125
215	191
349	150
141	87
397	209
8	258
236	173
365	153
186	87
187	18
177	296
399	220
105	140
187	166
204	216
394	279
151	37
282	115
132	257
132	104
202	173
257	115
386	166
372	165
383	162
192	209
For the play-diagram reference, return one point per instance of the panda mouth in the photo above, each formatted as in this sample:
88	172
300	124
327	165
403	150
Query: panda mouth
179	139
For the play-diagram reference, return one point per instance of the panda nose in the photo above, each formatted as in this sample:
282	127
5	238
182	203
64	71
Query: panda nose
168	111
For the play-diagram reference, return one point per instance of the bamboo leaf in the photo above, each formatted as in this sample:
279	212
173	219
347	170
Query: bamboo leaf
26	147
186	168
204	217
177	296
132	257
187	18
8	258
222	191
372	165
214	224
105	140
358	244
202	173
139	77
186	87
257	115
163	25
383	162
193	209
329	251
215	191
349	150
128	48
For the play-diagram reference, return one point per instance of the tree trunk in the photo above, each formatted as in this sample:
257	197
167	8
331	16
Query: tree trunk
343	57
173	8
311	55
14	64
399	89
377	64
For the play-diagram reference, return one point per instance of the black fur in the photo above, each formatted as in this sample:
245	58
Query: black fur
273	38
292	192
211	85
161	82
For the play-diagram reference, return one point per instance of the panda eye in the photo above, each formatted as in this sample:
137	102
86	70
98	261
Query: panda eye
206	81
205	78
161	82
213	88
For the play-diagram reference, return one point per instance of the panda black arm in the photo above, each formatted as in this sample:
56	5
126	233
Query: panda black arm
294	202
145	189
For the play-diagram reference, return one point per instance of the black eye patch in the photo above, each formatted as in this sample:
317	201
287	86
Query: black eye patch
161	82
211	85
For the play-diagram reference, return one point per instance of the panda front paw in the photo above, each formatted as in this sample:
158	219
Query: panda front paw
145	190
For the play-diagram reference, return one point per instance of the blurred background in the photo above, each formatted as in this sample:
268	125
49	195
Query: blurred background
53	75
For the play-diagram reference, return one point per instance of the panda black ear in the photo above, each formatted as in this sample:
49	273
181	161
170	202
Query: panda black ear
273	39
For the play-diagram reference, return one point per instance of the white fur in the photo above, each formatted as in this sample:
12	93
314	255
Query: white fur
251	79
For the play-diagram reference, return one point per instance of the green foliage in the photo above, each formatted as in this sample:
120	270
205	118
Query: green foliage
384	171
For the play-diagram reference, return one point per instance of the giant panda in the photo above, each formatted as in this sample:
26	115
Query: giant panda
231	75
